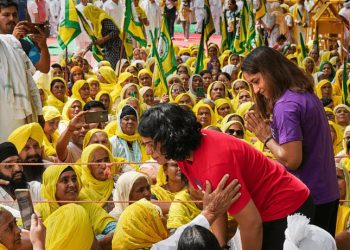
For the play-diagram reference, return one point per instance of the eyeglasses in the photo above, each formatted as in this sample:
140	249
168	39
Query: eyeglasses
235	132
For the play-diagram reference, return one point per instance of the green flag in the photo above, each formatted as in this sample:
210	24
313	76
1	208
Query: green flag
69	27
302	45
315	42
209	28
225	42
239	43
199	62
132	27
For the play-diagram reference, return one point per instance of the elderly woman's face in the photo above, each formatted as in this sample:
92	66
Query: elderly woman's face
342	116
145	80
326	90
236	130
75	108
105	100
84	91
217	91
141	189
244	97
99	171
186	100
224	110
67	187
132	91
197	82
99	138
176	90
204	116
148	97
326	70
129	124
182	70
10	234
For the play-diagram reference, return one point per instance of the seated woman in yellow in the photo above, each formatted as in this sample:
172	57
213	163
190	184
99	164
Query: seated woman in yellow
182	213
107	78
94	85
69	228
97	179
124	78
204	113
342	231
217	90
70	110
223	107
238	85
130	186
342	115
61	183
58	89
126	141
175	90
81	91
105	98
170	181
324	91
234	128
129	90
242	96
196	83
185	99
145	78
139	227
52	118
337	137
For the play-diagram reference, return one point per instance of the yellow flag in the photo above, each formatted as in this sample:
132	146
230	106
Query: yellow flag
209	27
261	11
69	27
132	27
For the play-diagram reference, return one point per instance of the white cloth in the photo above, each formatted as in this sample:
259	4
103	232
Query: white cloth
153	14
171	242
300	235
216	11
116	11
32	8
54	15
19	95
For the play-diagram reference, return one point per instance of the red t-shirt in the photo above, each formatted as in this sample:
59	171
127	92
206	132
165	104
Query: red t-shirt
275	192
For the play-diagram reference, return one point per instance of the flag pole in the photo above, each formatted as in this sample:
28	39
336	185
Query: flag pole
121	53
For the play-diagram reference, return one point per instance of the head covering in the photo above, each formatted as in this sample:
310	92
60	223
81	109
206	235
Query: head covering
347	129
300	235
244	108
126	86
178	99
76	69
108	74
90	133
66	108
140	226
227	125
204	105
218	103
337	144
92	188
75	91
173	76
347	181
20	136
50	112
210	87
121	82
52	100
235	101
190	87
122	191
303	63
233	85
7	149
229	69
330	78
120	64
69	228
189	71
98	98
96	15
126	110
144	71
341	106
183	51
48	189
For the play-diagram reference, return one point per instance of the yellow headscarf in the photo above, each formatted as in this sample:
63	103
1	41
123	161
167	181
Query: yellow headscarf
144	71
2	247
120	133
336	99
126	86
142	91
187	67
325	56
235	101
183	51
67	106
98	98
96	15
190	61
75	91
204	105
233	84
303	64
337	145
99	219
210	87
121	82
68	228
182	213
94	189
218	103
109	75
52	100
50	113
90	133
140	226
244	108
343	209
122	191
178	98
20	136
337	86
40	86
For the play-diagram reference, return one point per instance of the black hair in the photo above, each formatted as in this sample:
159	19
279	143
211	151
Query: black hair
203	72
175	128
281	38
7	4
54	81
227	75
68	168
56	65
196	237
279	73
94	104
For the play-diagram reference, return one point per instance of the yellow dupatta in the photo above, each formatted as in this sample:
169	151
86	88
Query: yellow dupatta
98	98
94	189
96	15
182	213
67	106
337	144
68	228
139	226
109	75
235	101
204	105
75	91
121	82
336	99
50	112
218	103
343	209
210	87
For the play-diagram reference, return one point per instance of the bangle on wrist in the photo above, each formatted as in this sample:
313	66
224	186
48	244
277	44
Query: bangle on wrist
267	140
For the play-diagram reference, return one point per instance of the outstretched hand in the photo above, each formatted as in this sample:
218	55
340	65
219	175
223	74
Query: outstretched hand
217	202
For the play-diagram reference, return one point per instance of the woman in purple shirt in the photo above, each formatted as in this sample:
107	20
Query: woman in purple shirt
292	123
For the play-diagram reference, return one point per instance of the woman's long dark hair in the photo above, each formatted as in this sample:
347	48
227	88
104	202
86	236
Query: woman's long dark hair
279	73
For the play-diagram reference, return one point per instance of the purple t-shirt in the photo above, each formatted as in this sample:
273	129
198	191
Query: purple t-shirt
301	117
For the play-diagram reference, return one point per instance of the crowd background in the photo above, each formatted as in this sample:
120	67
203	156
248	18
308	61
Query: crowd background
124	71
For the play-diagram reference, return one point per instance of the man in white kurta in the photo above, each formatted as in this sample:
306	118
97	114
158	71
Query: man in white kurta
54	17
153	13
198	6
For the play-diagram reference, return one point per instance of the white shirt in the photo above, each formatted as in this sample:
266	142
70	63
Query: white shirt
32	8
116	11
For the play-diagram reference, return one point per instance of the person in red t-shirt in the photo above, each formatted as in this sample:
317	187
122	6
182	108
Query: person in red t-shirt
268	192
